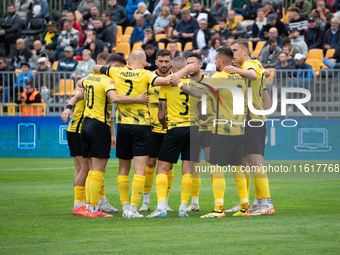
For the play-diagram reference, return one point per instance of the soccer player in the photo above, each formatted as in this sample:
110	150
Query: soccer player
179	109
134	127
255	131
163	62
81	164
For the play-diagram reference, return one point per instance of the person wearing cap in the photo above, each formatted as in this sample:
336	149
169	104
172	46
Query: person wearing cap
269	54
45	80
234	26
67	37
299	41
313	35
30	96
50	36
332	35
295	20
67	64
200	39
273	21
21	54
304	6
23	77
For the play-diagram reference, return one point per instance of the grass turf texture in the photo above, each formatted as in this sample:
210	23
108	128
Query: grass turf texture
36	217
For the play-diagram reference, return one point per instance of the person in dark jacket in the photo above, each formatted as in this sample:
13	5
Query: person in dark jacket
118	13
313	35
185	27
50	36
111	25
149	38
237	5
21	54
201	38
272	21
250	12
69	6
6	78
257	27
200	11
104	33
10	29
138	31
332	35
219	11
67	64
150	52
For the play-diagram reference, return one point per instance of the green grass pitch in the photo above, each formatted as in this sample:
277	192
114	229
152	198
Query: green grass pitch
36	217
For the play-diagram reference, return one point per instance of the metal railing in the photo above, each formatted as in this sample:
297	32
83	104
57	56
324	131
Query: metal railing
324	88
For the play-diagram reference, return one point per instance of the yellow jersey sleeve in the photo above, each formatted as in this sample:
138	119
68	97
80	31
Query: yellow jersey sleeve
78	116
112	72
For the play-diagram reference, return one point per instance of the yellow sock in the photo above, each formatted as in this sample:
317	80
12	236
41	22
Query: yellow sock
256	190
186	188
148	179
95	187
123	188
196	181
241	184
102	191
248	179
79	194
171	174
262	182
87	187
161	187
137	189
218	184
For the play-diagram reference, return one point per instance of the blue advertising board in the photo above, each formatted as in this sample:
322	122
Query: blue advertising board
45	137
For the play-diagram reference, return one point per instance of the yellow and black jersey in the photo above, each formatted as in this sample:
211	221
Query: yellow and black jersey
257	86
153	93
132	82
77	117
181	108
97	105
224	113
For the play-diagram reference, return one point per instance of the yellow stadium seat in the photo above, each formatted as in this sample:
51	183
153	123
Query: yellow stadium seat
125	38
160	36
330	53
179	46
216	27
259	45
272	72
315	64
119	34
251	46
136	46
188	46
128	31
55	65
66	87
315	54
239	18
256	53
161	46
18	71
125	48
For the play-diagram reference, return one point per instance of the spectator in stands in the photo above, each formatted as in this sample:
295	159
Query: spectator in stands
118	13
313	35
283	65
258	25
21	54
200	39
45	79
142	10
10	28
291	50
319	22
23	7
122	3
67	64
229	41
272	21
90	17
239	5
327	22
209	62
158	9
30	96
201	13
332	35
68	37
331	64
296	21
150	52
269	54
69	6
273	33
321	9
268	8
299	42
162	22
84	67
250	12
94	50
23	77
185	27
111	25
169	31
138	31
176	11
6	78
50	36
91	37
219	11
107	48
85	7
37	53
185	4
174	50
290	59
149	38
337	7
44	12
131	7
304	6
70	16
234	26
223	31
104	33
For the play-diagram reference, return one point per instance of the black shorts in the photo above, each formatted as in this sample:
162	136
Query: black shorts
95	139
255	138
180	140
205	137
132	140
226	150
74	143
156	141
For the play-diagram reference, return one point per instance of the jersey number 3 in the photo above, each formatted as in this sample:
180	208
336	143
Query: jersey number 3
185	104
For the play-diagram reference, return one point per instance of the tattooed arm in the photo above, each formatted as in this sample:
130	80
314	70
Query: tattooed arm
195	92
161	112
113	132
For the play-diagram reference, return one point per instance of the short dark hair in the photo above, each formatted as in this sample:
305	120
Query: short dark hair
213	41
68	21
102	56
294	9
195	55
10	4
242	42
197	2
114	57
222	20
4	59
314	15
271	40
107	13
226	53
163	53
149	47
93	32
30	83
99	18
285	41
284	53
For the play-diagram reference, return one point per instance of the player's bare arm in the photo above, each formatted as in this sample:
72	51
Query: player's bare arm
267	103
80	82
123	99
162	113
249	74
266	73
96	68
113	132
71	103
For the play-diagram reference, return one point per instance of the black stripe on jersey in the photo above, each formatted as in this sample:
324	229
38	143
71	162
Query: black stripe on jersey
248	112
105	108
162	99
153	80
217	108
105	70
110	90
80	120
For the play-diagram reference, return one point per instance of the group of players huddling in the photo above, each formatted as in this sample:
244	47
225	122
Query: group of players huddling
158	118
